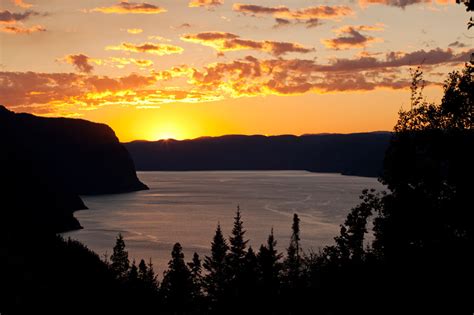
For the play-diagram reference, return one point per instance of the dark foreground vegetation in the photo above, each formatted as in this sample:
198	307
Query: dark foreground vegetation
419	261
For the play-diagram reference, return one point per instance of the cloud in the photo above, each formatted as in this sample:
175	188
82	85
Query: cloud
156	49
458	44
244	77
134	30
120	62
351	37
401	3
222	42
21	4
205	3
12	29
309	16
398	59
80	62
7	17
70	93
124	7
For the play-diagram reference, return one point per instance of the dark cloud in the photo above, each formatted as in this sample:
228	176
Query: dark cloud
401	3
309	16
351	37
458	44
10	18
80	62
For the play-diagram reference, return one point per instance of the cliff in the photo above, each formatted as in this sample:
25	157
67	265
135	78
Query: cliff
46	163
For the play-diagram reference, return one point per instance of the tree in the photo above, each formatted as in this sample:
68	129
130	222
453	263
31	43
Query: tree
293	257
215	265
120	262
269	266
147	275
196	268
177	284
236	256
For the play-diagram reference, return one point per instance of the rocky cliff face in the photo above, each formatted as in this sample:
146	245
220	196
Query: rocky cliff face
47	162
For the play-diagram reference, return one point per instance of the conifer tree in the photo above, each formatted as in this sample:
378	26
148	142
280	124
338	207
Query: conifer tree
177	284
147	275
236	256
293	258
215	265
120	262
195	268
269	265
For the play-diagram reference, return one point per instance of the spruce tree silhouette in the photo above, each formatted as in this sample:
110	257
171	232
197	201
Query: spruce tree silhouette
120	263
236	256
215	280
293	263
195	267
177	284
269	265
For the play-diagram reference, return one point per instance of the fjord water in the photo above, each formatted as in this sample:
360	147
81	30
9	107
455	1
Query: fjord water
185	207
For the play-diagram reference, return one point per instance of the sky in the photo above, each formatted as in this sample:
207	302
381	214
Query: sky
189	68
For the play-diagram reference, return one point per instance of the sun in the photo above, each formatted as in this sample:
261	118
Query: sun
167	135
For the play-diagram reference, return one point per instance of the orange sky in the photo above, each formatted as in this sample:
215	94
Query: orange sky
189	68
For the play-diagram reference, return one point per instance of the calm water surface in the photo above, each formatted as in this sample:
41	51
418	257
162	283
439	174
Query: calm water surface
185	207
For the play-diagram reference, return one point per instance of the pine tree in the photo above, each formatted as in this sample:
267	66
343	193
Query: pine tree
196	268
177	284
147	275
293	258
215	265
120	263
236	256
269	266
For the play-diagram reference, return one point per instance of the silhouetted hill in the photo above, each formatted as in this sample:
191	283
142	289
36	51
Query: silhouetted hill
46	163
358	154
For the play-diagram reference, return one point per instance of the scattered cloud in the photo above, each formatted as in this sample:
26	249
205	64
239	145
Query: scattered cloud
205	3
7	17
22	4
351	37
80	62
134	30
222	42
458	44
402	3
17	29
124	7
151	48
283	15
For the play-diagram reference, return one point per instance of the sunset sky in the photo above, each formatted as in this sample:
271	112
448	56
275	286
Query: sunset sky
190	68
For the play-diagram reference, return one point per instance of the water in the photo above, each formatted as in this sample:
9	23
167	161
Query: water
185	207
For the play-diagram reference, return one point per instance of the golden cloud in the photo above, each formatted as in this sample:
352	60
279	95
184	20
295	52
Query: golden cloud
156	49
21	4
244	77
16	29
130	8
205	3
222	42
134	30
